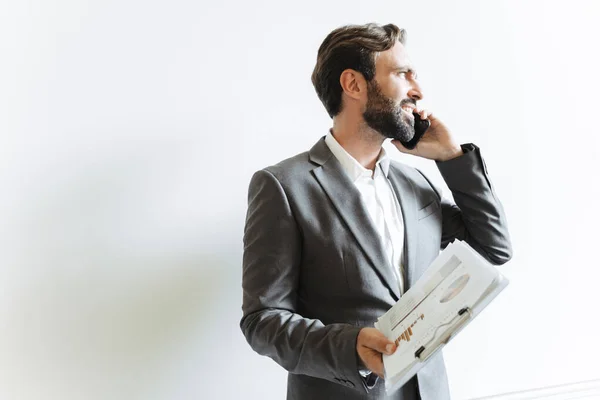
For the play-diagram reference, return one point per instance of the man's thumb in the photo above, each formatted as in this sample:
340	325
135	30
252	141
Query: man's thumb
382	344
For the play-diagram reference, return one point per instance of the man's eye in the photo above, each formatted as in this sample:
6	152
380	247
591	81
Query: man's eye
404	73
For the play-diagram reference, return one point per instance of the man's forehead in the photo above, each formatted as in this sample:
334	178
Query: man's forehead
396	57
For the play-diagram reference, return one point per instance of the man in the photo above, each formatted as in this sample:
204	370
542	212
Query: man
334	236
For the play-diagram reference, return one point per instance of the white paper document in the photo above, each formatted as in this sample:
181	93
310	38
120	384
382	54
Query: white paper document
454	289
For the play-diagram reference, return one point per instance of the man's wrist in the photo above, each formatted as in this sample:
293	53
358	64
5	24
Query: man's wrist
453	152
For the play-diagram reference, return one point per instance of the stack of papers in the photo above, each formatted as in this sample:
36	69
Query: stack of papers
454	289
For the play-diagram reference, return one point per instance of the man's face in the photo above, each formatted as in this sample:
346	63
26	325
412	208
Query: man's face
392	95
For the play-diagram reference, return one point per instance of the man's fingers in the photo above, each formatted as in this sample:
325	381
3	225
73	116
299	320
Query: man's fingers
374	362
371	344
423	113
378	367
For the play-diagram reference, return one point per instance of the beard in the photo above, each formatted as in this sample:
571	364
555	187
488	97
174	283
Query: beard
383	115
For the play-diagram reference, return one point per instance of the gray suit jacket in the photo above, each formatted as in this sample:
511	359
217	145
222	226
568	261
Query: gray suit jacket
315	272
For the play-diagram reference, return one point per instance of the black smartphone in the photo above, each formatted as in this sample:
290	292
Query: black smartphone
421	126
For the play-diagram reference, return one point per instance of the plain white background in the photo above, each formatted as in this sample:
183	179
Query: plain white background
128	134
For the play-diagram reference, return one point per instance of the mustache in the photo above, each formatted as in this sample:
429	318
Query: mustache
408	101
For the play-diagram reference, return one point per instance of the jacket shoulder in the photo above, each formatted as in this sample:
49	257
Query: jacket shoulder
291	170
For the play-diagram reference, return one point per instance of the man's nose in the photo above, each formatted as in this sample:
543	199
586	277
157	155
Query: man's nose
415	92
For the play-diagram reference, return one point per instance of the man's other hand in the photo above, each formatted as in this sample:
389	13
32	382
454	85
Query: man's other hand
370	345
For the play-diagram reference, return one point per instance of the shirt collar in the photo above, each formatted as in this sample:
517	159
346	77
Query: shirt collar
349	163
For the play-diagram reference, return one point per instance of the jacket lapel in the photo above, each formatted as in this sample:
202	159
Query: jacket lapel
405	193
347	201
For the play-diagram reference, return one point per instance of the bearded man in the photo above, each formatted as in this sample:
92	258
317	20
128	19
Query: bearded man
335	236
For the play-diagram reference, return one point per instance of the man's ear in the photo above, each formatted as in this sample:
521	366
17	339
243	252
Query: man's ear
353	84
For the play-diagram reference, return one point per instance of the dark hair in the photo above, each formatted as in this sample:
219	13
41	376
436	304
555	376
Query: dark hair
354	47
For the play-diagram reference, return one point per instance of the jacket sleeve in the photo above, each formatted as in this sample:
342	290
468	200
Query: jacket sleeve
478	216
271	268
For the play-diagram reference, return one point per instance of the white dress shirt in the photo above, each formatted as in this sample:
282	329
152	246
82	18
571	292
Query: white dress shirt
380	200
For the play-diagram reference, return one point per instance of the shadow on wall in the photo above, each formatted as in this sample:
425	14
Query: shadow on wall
113	287
109	335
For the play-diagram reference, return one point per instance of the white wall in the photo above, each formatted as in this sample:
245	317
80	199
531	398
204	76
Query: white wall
129	130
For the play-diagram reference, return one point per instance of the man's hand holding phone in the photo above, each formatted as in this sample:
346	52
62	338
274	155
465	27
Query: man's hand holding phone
436	142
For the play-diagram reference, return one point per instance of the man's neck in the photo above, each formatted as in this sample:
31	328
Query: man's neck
360	141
